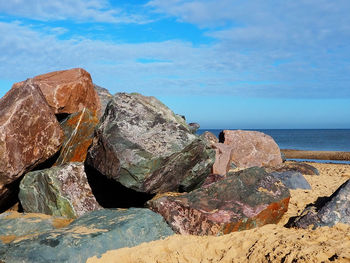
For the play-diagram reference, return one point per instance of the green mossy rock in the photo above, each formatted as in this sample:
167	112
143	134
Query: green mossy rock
143	145
60	191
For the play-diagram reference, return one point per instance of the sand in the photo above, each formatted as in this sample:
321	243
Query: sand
270	243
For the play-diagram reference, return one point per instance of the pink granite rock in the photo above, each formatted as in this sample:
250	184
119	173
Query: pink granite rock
223	156
29	132
251	148
68	91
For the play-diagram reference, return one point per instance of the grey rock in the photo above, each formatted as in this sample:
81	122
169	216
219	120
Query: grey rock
194	127
104	96
91	235
327	211
143	145
292	179
303	168
209	138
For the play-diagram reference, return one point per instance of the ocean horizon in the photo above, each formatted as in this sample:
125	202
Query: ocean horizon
303	139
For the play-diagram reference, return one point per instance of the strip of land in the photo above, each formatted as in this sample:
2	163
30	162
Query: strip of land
317	155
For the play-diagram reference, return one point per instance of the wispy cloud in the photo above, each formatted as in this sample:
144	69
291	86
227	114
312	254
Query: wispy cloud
261	48
78	10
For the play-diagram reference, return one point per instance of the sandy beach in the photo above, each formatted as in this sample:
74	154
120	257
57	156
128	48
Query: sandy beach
270	243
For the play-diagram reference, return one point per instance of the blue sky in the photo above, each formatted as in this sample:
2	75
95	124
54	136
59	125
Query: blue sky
223	63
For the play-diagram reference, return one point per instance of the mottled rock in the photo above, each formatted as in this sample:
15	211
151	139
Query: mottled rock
303	168
327	211
59	191
223	156
68	91
209	138
292	179
244	200
29	133
104	96
146	147
90	235
251	148
194	127
212	178
14	226
78	134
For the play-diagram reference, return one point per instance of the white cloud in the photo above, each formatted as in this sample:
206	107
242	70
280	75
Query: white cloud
78	10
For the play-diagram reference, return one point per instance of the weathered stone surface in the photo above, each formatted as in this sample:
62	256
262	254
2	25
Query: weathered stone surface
29	132
78	134
68	91
143	145
212	178
251	148
303	168
209	137
194	127
292	179
223	156
104	96
15	225
59	191
329	211
90	235
244	200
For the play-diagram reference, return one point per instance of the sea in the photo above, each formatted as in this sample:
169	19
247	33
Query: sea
306	139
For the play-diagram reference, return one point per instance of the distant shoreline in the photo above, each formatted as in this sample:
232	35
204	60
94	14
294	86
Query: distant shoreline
316	155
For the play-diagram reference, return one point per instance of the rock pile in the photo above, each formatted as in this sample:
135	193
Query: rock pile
61	156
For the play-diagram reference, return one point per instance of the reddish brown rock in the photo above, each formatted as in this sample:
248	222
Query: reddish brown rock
78	134
223	156
68	91
251	148
244	200
29	132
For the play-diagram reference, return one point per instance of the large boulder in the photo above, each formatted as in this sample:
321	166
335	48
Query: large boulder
29	133
14	225
90	235
251	148
59	191
143	145
104	96
68	91
78	134
329	211
243	200
292	179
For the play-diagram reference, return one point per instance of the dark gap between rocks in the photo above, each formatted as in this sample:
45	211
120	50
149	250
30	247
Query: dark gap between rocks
9	199
62	116
111	194
48	163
